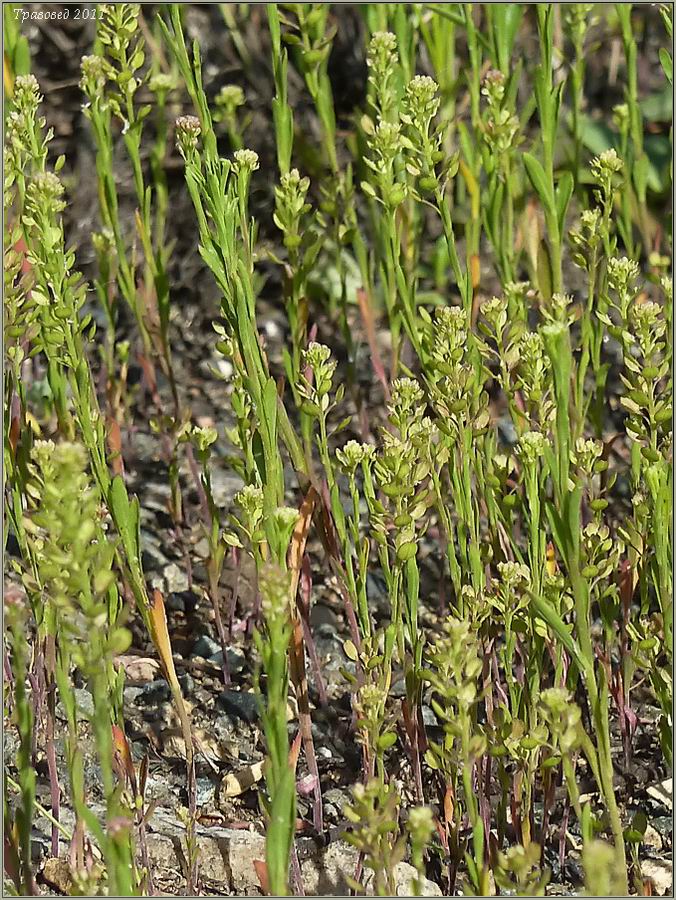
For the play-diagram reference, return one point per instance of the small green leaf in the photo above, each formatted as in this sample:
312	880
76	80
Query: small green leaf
564	192
350	651
538	179
387	740
667	64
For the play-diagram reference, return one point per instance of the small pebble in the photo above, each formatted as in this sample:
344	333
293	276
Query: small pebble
187	683
206	647
155	691
236	661
240	704
206	792
175	579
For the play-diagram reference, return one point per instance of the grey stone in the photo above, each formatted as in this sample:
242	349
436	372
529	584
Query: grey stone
327	873
323	621
131	694
175	603
240	704
429	717
226	854
404	876
206	647
661	873
84	700
157	691
507	431
182	601
398	689
201	548
187	683
175	579
224	486
336	799
236	661
152	556
206	792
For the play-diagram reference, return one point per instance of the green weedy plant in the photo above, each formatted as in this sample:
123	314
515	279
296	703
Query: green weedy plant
592	240
577	20
532	543
457	393
219	192
401	472
374	815
282	114
648	402
565	521
601	875
554	197
429	167
352	458
204	439
501	136
310	39
111	81
61	333
519	871
273	643
228	101
27	142
638	162
454	668
386	187
641	328
509	595
17	50
420	827
314	389
18	828
83	613
563	720
302	244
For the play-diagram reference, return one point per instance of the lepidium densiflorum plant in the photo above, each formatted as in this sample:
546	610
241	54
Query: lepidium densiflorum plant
398	520
302	244
83	614
453	671
405	159
18	712
594	243
501	136
27	143
587	582
62	332
456	386
273	642
641	328
376	832
219	190
385	183
112	81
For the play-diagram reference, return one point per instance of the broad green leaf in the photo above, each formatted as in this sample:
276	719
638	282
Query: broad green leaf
544	271
537	177
667	65
125	516
544	610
